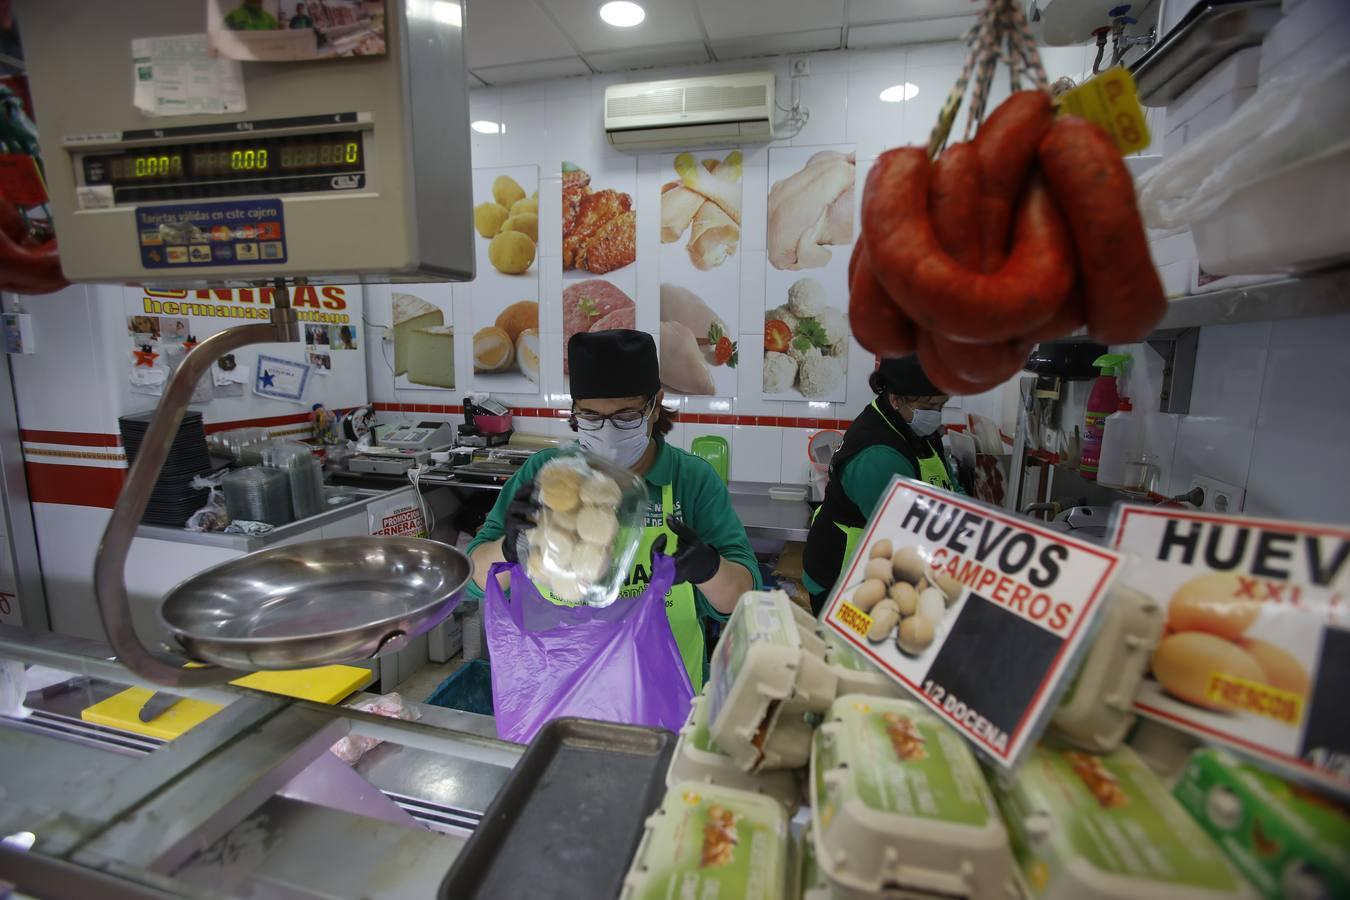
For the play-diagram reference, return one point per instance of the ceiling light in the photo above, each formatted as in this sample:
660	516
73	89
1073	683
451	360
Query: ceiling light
622	14
483	126
899	93
447	13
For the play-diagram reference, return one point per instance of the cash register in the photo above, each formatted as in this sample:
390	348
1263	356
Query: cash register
406	445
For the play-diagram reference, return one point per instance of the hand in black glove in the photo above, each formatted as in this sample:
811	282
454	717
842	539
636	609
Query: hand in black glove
520	517
695	561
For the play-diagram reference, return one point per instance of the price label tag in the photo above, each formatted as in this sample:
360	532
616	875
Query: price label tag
1112	102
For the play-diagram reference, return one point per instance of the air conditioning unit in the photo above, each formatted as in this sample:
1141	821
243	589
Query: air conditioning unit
689	112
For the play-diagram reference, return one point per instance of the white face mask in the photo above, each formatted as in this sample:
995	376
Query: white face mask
926	421
621	446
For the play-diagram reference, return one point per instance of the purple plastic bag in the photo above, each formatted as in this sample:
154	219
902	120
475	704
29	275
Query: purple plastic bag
619	663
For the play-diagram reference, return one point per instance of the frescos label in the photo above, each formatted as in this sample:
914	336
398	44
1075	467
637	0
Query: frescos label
1257	653
978	614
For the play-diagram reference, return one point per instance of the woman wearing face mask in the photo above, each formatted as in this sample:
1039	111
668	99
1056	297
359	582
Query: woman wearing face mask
617	414
899	433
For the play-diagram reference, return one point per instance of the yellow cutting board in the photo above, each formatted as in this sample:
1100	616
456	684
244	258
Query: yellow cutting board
325	684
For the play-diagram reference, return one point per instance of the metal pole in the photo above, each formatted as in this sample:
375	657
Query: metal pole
110	563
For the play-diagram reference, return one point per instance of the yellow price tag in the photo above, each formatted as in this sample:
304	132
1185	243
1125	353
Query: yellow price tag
1112	102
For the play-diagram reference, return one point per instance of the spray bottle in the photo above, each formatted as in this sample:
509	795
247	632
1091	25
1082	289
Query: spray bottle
1102	402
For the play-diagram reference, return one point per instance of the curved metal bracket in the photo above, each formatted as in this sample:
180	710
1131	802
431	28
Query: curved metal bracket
110	563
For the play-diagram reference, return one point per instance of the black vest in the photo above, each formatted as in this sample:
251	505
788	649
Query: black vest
824	553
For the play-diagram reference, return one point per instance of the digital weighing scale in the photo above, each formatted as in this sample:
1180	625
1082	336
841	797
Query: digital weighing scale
343	170
324	176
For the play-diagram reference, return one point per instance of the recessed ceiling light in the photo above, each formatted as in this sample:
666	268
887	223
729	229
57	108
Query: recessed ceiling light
622	14
899	93
483	126
447	13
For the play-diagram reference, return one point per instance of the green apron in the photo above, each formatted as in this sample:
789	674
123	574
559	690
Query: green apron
681	609
931	470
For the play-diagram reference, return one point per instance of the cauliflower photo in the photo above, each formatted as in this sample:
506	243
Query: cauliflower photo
806	298
780	372
819	375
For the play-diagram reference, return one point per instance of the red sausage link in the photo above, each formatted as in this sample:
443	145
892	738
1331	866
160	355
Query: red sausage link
936	292
954	199
1069	319
1006	147
1121	291
943	376
876	322
980	362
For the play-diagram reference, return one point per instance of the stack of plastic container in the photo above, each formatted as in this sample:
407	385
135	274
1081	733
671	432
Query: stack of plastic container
258	494
303	471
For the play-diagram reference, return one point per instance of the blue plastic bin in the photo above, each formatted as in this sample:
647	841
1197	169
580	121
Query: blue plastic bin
468	690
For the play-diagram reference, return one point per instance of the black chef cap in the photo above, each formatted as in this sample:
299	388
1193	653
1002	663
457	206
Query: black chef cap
617	363
903	377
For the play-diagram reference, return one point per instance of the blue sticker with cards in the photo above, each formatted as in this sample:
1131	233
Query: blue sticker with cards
234	233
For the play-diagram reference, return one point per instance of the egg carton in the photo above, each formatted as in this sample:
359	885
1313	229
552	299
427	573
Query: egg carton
768	671
1098	711
1090	827
899	805
697	758
712	841
855	673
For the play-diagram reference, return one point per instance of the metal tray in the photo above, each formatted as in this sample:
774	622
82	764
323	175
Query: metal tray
568	821
1206	37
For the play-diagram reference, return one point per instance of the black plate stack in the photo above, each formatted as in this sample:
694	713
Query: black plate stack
174	500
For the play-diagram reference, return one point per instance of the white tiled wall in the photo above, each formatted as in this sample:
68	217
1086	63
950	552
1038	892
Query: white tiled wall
547	122
1269	413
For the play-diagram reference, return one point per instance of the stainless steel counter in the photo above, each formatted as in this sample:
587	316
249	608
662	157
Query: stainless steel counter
766	517
342	502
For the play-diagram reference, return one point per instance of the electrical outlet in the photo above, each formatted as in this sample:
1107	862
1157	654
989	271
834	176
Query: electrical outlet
800	66
1220	496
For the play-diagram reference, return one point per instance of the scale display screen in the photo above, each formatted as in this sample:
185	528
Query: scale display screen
262	165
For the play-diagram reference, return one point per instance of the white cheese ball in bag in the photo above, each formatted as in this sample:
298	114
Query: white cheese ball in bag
591	518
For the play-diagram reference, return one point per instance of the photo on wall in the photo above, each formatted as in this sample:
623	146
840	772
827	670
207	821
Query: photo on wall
809	237
700	272
599	247
284	30
505	293
424	337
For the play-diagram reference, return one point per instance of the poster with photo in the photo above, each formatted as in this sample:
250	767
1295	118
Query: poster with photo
700	272
505	292
808	239
342	337
982	616
288	30
423	356
599	246
1256	654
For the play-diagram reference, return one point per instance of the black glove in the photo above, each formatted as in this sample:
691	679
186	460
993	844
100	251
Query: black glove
520	517
695	561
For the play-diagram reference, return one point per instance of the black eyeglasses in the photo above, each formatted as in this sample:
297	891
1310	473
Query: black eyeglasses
624	419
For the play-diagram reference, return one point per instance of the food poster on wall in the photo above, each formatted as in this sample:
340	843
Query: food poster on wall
286	30
599	247
505	292
981	615
1257	648
809	238
700	272
423	356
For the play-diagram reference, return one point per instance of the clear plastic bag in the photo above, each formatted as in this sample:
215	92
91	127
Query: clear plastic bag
590	524
1291	118
213	516
354	746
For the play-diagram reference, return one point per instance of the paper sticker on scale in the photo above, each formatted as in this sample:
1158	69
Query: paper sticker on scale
979	614
1257	653
235	233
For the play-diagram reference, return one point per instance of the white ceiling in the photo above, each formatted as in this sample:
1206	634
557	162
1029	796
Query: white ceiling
524	40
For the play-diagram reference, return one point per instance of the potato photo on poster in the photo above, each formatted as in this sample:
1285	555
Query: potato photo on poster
505	294
424	337
700	272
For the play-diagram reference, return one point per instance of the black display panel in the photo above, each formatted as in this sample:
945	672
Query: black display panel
297	163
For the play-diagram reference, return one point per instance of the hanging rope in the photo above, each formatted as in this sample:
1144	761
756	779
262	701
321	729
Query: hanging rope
1000	35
